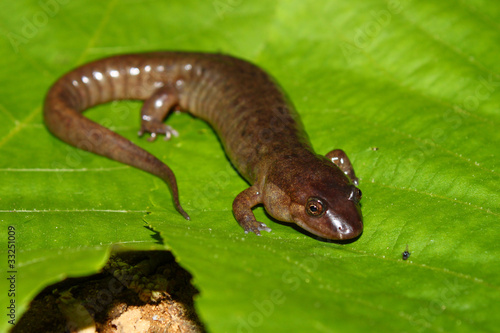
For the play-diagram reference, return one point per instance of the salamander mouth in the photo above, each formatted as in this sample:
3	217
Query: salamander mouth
330	235
334	228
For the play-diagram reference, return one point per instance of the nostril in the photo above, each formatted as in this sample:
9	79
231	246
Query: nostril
344	229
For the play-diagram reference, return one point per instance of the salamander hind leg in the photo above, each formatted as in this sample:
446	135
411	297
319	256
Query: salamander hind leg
242	209
340	159
155	110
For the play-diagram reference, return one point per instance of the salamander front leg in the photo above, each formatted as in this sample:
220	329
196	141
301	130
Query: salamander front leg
242	210
340	159
155	110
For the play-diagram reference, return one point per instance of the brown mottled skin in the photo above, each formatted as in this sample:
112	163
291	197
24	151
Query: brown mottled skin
257	124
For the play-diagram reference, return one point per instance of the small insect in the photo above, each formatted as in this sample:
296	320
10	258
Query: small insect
406	254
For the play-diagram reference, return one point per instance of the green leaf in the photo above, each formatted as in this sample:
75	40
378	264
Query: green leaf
410	90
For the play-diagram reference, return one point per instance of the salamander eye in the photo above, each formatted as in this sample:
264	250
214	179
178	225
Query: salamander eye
315	207
355	194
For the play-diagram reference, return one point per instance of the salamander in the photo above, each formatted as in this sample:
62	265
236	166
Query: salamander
256	122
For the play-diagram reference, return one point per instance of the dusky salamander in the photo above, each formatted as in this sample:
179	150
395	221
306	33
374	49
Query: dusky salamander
256	123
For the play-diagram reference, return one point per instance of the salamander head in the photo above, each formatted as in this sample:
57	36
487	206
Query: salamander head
319	198
336	216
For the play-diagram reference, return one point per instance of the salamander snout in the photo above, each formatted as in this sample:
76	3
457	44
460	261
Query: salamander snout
342	228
